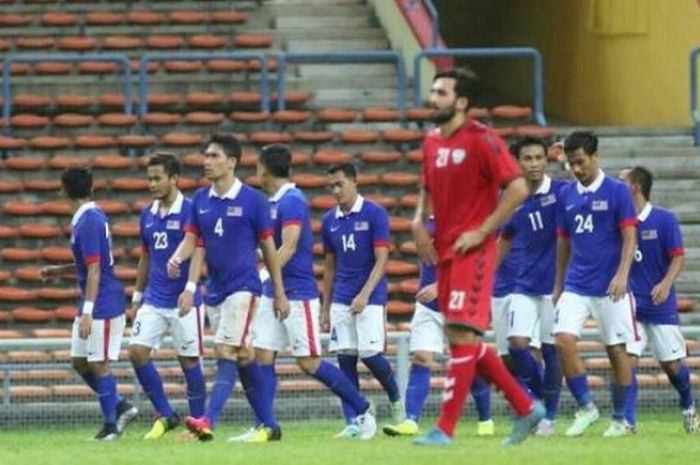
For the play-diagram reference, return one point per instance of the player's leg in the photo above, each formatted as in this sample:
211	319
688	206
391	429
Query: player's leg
523	323
552	371
570	317
371	336
670	350
344	344
149	328
190	330
634	351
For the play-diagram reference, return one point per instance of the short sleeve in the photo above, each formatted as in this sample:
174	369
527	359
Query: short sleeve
145	245
192	220
92	233
625	215
496	161
326	235
380	228
263	222
674	237
562	226
293	211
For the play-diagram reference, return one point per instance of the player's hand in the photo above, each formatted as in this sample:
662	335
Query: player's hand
427	294
85	327
325	320
424	245
49	271
281	306
185	302
556	294
174	267
660	293
359	303
617	288
468	240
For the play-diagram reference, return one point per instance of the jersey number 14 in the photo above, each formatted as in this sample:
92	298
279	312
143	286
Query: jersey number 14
348	242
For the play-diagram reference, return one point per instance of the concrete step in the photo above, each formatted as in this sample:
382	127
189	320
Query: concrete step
317	8
329	45
383	70
333	22
645	151
315	2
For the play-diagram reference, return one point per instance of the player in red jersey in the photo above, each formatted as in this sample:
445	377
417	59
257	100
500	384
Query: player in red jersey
466	165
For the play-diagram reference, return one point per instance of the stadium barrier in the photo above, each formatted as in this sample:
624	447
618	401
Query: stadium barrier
694	111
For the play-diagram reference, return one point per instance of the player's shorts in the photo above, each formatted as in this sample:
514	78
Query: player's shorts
364	332
427	330
464	288
499	322
667	342
616	320
300	329
103	343
531	317
152	324
232	319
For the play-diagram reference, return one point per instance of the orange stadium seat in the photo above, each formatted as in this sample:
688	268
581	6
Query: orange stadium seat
4	276
65	313
28	273
8	232
410	286
35	43
56	254
187	17
98	67
207	41
323	202
313	137
49	142
129	184
401	268
478	113
29	121
380	114
400	135
164	42
73	120
409	201
182	66
245	98
291	116
12	143
77	44
329	157
162	119
359	136
103	18
25	163
396	307
367	179
58	293
16	294
15	20
270	137
121	120
30	101
505	132
249	116
205	99
58	18
60	162
400	178
125	229
226	66
143	18
228	17
40	230
253	40
113	99
21	208
18	254
685	305
399	224
383	200
122	43
10	334
112	162
539	132
204	118
418	114
336	115
94	141
408	248
9	186
179	139
511	112
52	68
114	207
380	157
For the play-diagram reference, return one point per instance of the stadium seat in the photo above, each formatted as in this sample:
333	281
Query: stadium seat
50	185
336	115
112	162
120	120
179	139
125	229
313	137
65	313
329	157
400	135
408	248
226	66
207	41
9	334
28	273
182	66
143	18
396	308
113	207
12	143
40	230
249	116
21	208
409	286
400	179
540	132
29	121
418	114
103	18
18	254
380	157
228	17
204	118
269	137
9	186
323	202
94	141
58	293
383	200
401	268
25	163
52	68
253	40
76	44
49	142
291	116
187	17
511	112
357	136
162	119
15	20
380	114
73	120
56	254
8	232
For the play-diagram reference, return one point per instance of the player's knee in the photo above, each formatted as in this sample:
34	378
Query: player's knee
565	343
671	368
139	355
223	351
365	354
99	369
422	358
349	352
516	342
188	362
245	355
264	356
79	364
309	365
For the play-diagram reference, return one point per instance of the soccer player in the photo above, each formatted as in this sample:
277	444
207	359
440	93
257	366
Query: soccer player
503	286
99	325
356	243
427	339
155	299
231	219
657	263
291	223
531	312
465	166
595	250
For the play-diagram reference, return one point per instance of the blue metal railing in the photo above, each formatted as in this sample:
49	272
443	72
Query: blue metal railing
434	22
343	57
118	58
202	56
694	94
503	52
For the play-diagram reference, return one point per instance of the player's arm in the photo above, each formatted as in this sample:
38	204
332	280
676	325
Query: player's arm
660	292
618	285
141	280
381	257
424	243
504	244
55	271
272	263
185	301
183	253
328	279
290	240
92	286
563	255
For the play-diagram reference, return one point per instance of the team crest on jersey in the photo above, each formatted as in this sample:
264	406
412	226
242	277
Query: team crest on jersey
458	156
361	226
172	224
548	200
599	205
650	234
234	211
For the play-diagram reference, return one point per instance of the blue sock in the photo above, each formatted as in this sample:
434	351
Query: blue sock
334	380
107	394
152	385
226	374
631	400
91	381
253	380
196	390
269	383
527	370
619	401
682	384
348	365
417	391
481	393
552	380
381	369
578	385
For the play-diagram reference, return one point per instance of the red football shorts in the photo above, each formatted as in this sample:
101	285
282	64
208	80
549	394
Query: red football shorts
465	284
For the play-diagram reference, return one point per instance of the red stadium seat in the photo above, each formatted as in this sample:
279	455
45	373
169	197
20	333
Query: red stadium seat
270	137
383	200
116	119
40	230
73	101
30	101
19	208
364	179
291	116
61	162
511	112
309	180
35	43
204	99
323	202
418	114
12	143
49	142
399	224
129	184
58	18
204	118
8	232
329	157
94	141
136	140
58	293
28	273
77	44
253	40
122	43
226	66
207	41
98	67
143	18
183	66
187	17
114	207
396	307
178	139
164	42
52	68
103	18
15	20
16	294
245	98
162	119
400	135
29	121
45	185
228	17
400	178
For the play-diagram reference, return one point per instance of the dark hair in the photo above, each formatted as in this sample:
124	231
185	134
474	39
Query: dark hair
277	159
77	183
642	177
229	144
168	161
519	144
348	169
466	83
585	140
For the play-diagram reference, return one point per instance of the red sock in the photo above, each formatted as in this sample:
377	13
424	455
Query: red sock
460	374
490	367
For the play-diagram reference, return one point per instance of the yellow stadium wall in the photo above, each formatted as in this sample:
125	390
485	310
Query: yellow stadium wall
607	62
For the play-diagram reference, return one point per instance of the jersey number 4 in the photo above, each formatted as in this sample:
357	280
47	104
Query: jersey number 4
584	223
219	228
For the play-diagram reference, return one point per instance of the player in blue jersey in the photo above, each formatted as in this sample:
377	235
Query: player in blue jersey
291	222
428	339
231	219
657	263
356	243
503	285
99	325
531	311
155	299
595	251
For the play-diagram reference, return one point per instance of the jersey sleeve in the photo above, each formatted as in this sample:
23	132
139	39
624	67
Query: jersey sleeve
625	215
380	228
674	237
292	212
496	161
192	220
263	222
92	232
326	235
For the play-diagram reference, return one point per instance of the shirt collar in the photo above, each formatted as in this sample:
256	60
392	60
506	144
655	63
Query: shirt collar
545	186
594	186
83	208
356	207
281	191
232	192
175	208
646	211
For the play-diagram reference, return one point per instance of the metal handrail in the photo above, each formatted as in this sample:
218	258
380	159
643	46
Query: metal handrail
694	114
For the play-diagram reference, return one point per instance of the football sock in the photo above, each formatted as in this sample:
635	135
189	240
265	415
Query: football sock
348	365
152	385
417	391
552	380
196	390
381	369
491	368
339	384
481	393
224	382
460	375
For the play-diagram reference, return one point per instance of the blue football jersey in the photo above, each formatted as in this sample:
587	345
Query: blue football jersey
506	274
428	273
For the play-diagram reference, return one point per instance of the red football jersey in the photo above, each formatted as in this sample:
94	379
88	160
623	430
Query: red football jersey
464	174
